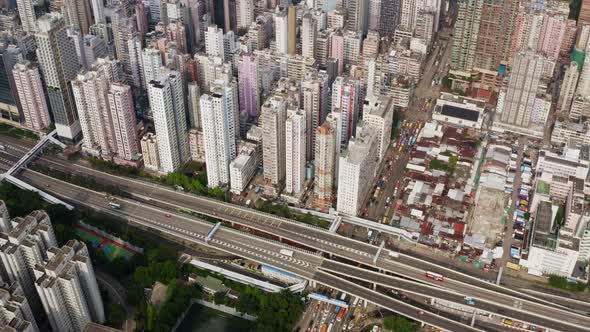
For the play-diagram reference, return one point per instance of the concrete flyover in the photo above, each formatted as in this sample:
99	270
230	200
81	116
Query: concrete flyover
263	251
323	240
482	303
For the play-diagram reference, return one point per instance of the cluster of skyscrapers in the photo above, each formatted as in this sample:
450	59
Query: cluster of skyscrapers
41	280
238	84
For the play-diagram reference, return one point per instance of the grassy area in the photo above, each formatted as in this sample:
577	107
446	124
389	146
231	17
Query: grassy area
282	210
11	131
441	166
562	283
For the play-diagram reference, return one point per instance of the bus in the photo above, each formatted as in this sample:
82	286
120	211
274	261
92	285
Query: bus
340	314
325	328
434	276
114	205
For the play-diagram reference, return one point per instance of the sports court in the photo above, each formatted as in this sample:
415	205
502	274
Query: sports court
111	248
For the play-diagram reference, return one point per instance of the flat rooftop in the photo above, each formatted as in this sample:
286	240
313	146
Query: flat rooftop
459	112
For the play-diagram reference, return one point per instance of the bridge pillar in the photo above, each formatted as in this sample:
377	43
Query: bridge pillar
312	283
374	287
473	319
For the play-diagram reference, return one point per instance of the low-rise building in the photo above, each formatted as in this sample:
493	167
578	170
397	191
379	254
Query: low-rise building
459	111
149	150
243	168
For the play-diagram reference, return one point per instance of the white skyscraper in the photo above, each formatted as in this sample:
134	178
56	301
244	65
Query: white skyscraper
245	13
29	89
26	12
166	97
295	151
67	288
15	312
90	93
281	32
98	11
23	247
217	121
214	42
152	62
378	112
356	169
272	121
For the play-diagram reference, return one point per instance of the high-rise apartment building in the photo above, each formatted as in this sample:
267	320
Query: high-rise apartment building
374	14
59	64
389	17
98	11
522	89
122	112
15	312
22	248
90	93
315	99
219	138
378	113
308	35
281	32
249	84
292	30
568	86
356	169
5	225
352	47
584	16
26	12
325	154
357	12
214	42
166	95
193	105
78	14
151	64
295	150
272	121
30	92
345	97
245	13
68	289
123	31
466	33
9	101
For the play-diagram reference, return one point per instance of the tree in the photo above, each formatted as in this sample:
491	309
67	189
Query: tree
219	298
116	315
398	324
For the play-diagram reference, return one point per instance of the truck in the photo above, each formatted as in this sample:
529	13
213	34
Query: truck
469	300
337	310
286	252
248	202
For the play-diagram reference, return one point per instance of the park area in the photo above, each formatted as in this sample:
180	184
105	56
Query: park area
110	247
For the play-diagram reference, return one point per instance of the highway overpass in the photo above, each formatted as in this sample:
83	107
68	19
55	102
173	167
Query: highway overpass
306	264
191	230
324	241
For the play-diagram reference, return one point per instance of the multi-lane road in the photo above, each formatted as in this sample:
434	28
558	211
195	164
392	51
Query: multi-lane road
189	229
306	264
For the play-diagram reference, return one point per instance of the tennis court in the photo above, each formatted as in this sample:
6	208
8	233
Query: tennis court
109	247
